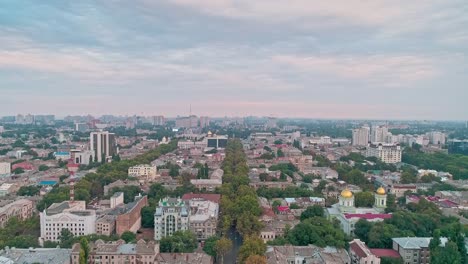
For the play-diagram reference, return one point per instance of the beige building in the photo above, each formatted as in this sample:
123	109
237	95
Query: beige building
22	209
387	153
5	168
118	252
203	217
146	171
413	250
106	225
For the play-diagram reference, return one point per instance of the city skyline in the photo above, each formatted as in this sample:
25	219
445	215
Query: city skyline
379	60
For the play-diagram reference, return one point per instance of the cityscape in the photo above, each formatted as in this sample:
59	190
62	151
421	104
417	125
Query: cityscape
233	132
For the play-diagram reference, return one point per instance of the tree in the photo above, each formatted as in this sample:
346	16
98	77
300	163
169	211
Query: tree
128	236
364	199
66	238
43	167
251	246
18	171
280	153
256	259
312	211
362	229
210	245
30	190
408	177
447	254
84	251
179	242
222	247
391	203
147	217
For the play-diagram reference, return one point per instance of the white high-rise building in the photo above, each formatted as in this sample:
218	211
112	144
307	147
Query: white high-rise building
436	138
379	134
103	145
171	215
361	136
387	153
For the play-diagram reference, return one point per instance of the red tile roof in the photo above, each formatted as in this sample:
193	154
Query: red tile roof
383	252
283	208
216	198
354	246
368	216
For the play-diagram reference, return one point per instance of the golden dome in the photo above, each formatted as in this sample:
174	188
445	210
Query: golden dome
380	191
346	193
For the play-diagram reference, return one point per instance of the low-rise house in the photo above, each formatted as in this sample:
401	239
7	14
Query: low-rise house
306	255
118	252
361	254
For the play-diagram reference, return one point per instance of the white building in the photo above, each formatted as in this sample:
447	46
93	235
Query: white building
143	170
379	134
71	215
5	168
436	138
171	215
361	136
84	157
387	153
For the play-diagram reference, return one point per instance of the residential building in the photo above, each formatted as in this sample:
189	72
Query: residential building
71	215
118	252
361	254
103	145
203	217
172	214
361	136
143	170
182	258
157	120
35	255
105	225
387	153
187	122
399	190
379	134
129	217
8	188
306	255
84	157
204	121
413	250
5	168
22	209
81	127
436	138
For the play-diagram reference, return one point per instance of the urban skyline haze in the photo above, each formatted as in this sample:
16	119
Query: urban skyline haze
333	59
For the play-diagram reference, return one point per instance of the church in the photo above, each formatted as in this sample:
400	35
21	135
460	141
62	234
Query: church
348	214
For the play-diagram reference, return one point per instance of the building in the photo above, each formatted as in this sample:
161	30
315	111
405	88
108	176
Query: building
379	134
361	254
81	127
203	217
84	157
5	168
361	136
35	255
71	215
306	255
182	258
118	183
105	225
204	121
172	214
436	138
187	122
399	190
22	209
387	153
413	249
348	214
215	141
158	120
8	188
144	170
129	217
103	145
118	252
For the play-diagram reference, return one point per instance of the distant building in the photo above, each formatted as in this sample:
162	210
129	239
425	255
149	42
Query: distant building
361	254
158	120
171	215
22	209
204	121
118	252
5	168
187	122
129	218
103	145
379	134
71	215
214	141
8	188
361	136
84	157
203	217
81	127
436	138
387	153
414	249
179	258
144	170
35	255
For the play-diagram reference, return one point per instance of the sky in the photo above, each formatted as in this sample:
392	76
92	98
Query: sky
377	59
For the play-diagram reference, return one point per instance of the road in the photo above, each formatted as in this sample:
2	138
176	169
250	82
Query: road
231	256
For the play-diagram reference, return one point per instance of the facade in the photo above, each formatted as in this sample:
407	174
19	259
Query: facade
203	217
118	252
399	189
5	168
387	153
71	215
130	219
413	250
437	138
361	136
361	254
215	141
379	134
144	170
171	215
204	121
105	225
207	184
84	157
22	209
103	145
